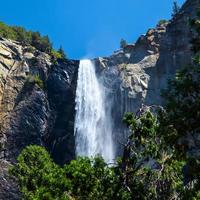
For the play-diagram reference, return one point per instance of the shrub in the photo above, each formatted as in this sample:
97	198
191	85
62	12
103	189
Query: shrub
55	55
20	34
39	177
62	53
162	21
7	32
35	79
42	43
91	179
155	173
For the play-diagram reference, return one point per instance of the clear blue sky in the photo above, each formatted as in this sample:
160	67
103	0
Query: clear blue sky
87	28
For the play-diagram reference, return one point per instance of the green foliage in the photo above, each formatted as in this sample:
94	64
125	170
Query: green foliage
183	99
195	24
58	55
35	79
90	179
55	54
34	39
162	21
149	168
181	120
39	177
41	43
7	32
62	53
22	35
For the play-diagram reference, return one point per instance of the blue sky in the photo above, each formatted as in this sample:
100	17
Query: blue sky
87	28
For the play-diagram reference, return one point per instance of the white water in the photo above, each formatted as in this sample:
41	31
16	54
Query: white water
93	124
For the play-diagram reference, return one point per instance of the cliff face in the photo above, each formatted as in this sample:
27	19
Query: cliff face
132	76
136	74
142	69
30	114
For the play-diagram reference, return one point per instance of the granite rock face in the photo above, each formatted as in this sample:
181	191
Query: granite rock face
61	87
30	114
136	74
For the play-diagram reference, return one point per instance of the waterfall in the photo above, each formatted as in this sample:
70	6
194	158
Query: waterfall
93	123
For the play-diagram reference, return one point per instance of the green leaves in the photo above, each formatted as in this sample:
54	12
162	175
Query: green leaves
41	179
35	39
182	101
150	166
35	79
91	179
38	176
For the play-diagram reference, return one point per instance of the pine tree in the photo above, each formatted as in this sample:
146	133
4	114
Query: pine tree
175	9
62	52
183	114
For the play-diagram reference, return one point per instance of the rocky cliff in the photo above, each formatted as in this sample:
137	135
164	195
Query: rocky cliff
31	114
136	74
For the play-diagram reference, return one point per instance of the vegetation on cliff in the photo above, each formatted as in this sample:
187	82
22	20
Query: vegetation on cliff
35	80
35	39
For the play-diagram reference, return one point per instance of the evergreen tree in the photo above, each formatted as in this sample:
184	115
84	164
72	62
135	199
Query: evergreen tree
183	93
39	177
175	9
149	169
183	117
62	52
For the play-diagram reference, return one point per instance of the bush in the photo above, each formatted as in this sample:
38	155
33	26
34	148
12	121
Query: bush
162	21
58	55
55	54
62	53
155	173
42	43
35	79
39	177
22	35
91	179
7	32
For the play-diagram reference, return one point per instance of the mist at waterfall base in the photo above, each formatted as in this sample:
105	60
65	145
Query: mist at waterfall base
93	121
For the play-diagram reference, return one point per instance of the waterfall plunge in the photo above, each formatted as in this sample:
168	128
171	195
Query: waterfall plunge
93	124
